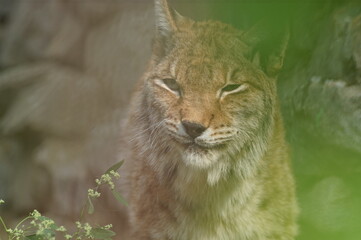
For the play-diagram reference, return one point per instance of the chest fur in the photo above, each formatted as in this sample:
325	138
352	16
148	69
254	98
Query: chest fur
193	210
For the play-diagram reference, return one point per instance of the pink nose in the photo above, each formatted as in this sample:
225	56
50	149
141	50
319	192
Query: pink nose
193	129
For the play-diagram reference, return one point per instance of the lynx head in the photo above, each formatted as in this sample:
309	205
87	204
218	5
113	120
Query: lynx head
212	86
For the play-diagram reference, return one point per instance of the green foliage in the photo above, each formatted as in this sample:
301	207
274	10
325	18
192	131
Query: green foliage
101	233
38	227
115	167
119	197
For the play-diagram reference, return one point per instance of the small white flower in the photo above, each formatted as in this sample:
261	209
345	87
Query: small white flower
114	174
78	225
68	236
107	227
93	193
98	182
87	228
35	214
61	229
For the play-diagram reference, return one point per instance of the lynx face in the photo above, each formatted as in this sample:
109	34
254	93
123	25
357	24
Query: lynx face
210	98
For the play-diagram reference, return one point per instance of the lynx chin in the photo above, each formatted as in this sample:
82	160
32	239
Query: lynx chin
203	143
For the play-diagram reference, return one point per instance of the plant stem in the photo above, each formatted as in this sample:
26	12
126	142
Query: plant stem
3	223
18	225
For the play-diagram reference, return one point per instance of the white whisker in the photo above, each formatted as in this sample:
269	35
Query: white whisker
154	126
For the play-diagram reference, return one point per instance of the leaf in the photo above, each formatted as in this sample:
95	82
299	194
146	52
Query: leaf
100	233
119	197
46	233
115	167
33	237
90	206
43	218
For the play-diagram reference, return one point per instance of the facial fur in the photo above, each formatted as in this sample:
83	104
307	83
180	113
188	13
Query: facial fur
207	79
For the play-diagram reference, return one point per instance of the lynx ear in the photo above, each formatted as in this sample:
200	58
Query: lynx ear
166	18
167	22
270	44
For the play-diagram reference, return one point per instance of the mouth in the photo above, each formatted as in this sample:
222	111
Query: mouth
197	152
195	145
191	145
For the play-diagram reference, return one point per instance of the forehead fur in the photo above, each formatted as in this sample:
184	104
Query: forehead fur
211	39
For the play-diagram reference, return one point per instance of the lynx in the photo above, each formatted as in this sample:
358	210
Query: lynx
204	149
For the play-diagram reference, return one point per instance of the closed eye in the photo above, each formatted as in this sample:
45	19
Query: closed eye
233	88
169	84
230	87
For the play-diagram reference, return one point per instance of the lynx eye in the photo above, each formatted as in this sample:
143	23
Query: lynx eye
230	87
233	88
169	84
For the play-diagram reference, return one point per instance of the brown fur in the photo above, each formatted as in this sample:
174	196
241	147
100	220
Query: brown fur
233	181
